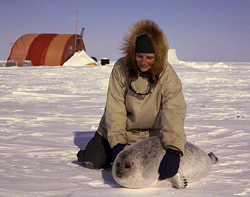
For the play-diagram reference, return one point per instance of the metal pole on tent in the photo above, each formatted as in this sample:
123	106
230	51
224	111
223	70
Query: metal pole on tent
76	30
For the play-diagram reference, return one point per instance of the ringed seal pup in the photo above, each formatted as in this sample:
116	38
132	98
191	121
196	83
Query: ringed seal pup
137	166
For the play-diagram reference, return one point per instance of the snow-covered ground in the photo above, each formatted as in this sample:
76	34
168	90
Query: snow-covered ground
48	113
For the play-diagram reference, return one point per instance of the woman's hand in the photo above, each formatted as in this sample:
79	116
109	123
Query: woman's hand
170	164
117	148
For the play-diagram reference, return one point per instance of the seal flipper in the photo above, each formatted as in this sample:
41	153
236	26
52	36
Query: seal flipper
179	181
213	158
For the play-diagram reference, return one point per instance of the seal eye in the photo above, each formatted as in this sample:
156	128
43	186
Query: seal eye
127	165
118	164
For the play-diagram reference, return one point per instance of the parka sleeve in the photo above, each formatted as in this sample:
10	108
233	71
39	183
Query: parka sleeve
115	112
173	113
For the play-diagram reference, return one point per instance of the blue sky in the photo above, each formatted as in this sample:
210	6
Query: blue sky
199	30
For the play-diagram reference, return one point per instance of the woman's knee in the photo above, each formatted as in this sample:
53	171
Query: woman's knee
97	154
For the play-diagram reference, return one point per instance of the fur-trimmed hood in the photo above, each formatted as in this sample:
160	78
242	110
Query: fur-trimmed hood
159	42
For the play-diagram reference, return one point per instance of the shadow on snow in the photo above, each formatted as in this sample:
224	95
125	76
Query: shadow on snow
81	140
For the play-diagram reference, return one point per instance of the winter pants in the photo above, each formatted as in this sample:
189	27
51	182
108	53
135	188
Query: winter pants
97	153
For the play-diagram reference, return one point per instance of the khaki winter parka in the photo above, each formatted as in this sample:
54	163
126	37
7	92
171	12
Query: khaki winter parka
140	105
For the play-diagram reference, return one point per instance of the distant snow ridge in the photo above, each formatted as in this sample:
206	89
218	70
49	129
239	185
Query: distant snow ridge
172	57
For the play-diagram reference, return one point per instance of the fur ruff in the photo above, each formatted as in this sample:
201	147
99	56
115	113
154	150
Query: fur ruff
160	44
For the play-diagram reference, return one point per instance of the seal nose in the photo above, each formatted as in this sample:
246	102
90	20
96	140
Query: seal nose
118	170
119	173
122	169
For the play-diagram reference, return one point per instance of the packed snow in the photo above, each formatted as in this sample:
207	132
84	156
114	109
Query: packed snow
48	113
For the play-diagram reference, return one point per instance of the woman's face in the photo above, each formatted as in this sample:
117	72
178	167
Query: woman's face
145	61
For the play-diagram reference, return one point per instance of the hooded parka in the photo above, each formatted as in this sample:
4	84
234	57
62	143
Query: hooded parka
140	105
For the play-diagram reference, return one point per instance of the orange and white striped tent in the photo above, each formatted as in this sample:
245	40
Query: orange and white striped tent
46	49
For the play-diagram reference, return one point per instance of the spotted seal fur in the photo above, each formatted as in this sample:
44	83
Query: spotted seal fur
137	166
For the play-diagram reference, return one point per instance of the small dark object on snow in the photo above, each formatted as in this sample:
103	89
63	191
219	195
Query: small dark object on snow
104	61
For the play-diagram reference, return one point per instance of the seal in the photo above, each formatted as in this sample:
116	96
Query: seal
137	165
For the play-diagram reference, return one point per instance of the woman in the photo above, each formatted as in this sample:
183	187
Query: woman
144	99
